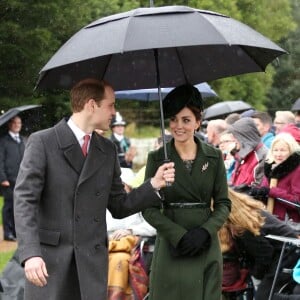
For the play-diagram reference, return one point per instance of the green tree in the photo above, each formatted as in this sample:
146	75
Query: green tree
286	86
32	31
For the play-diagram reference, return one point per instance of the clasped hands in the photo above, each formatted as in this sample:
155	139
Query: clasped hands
193	242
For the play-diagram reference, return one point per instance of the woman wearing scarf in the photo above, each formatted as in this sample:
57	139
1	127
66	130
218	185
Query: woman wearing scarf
283	164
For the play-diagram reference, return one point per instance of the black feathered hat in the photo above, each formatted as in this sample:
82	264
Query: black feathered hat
181	97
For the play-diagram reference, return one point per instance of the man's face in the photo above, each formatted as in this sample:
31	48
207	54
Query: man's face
279	123
15	125
104	113
118	129
261	127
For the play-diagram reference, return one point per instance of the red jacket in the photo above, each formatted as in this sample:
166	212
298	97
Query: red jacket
288	188
249	170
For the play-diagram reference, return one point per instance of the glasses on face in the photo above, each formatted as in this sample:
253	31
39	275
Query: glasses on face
227	141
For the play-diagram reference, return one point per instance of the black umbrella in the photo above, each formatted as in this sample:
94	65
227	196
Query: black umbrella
296	105
159	47
152	94
222	109
28	113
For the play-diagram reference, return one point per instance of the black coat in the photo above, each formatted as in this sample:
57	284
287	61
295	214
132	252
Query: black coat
11	154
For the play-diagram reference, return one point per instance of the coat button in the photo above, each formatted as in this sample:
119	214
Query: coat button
97	246
77	217
76	247
98	194
97	219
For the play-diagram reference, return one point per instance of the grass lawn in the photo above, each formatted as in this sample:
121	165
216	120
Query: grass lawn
4	256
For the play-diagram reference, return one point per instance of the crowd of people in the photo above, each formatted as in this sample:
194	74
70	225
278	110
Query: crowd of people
82	215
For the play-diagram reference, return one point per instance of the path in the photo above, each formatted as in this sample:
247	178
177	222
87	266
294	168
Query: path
6	246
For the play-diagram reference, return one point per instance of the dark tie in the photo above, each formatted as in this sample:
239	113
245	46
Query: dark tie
84	147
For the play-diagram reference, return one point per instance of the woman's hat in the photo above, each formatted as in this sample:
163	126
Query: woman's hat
179	98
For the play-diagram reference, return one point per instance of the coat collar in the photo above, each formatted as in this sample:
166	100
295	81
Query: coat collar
202	165
67	141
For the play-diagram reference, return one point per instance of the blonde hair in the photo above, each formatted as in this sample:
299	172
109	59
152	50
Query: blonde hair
285	138
245	215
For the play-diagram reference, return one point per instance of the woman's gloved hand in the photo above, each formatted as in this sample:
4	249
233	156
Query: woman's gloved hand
194	241
259	193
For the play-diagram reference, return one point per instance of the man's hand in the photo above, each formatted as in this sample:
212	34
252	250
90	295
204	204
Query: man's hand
5	183
118	234
35	271
165	173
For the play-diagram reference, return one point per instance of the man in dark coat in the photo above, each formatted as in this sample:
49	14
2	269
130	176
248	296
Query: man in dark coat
11	154
68	178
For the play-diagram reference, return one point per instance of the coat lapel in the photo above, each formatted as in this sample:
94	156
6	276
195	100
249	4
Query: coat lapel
190	182
69	145
94	159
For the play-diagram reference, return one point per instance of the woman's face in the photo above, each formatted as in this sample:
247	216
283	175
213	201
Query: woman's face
280	152
183	125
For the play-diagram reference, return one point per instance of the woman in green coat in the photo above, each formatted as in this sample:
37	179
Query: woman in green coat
187	261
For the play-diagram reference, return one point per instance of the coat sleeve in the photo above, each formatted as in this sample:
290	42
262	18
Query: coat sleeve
166	227
28	190
221	202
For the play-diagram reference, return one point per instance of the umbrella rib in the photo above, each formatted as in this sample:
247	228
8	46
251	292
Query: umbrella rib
106	66
181	64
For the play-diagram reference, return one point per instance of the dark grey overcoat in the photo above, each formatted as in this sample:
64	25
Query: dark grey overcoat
60	205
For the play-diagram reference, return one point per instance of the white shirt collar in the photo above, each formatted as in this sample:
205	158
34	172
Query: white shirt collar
119	137
79	134
13	134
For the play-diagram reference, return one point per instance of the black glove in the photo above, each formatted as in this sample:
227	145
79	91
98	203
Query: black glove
194	241
242	188
259	193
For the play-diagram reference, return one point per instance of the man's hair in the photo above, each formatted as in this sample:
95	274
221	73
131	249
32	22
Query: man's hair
263	116
86	89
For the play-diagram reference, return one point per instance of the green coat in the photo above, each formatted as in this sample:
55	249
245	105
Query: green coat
199	277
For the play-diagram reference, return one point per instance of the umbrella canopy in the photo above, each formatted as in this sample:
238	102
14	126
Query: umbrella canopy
190	45
152	94
25	111
222	109
159	47
296	105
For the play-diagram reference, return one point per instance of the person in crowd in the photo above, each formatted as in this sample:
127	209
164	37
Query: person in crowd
244	236
126	152
282	118
227	144
297	118
283	165
11	153
293	130
213	131
125	236
68	177
249	154
187	258
245	215
263	122
232	118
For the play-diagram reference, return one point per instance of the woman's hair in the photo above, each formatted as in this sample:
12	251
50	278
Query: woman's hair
285	138
245	215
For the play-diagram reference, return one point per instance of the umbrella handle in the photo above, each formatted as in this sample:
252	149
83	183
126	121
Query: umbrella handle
168	184
270	203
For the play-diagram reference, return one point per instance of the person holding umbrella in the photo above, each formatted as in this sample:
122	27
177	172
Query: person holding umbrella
187	261
69	176
11	153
